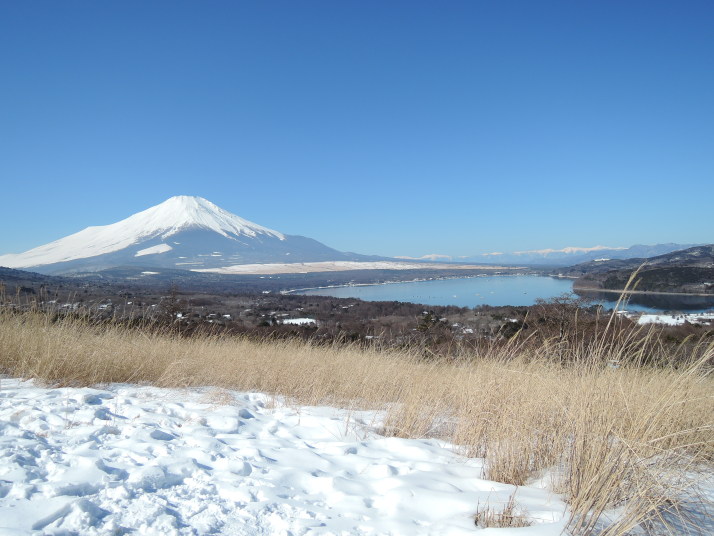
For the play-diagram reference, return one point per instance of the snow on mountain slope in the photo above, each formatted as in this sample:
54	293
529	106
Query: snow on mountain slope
161	248
179	213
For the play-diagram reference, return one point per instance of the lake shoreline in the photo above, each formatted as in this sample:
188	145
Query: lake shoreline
642	292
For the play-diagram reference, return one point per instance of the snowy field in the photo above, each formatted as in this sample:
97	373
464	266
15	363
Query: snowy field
143	460
337	266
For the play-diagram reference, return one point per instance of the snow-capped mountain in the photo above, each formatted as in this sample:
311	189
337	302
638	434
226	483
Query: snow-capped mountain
182	232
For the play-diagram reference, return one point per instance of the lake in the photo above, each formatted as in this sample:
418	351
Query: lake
503	290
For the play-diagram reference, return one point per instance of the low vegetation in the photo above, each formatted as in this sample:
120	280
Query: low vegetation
508	515
614	417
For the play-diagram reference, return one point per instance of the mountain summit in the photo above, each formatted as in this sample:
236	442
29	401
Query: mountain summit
182	232
183	212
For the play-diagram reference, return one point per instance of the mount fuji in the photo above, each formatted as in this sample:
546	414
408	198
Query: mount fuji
183	232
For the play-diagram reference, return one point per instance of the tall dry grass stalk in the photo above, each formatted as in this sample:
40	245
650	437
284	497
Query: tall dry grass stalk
607	429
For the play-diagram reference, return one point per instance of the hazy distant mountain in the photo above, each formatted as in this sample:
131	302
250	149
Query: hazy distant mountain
183	232
10	275
700	256
576	255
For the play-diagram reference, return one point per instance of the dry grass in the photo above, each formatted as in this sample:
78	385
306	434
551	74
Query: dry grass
510	515
608	437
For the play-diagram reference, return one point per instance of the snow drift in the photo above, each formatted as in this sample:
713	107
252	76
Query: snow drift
153	461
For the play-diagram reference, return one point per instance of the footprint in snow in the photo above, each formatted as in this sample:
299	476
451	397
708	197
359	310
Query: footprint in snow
161	435
95	400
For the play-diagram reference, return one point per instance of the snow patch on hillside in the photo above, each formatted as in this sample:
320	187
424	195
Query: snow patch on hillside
161	248
299	321
675	319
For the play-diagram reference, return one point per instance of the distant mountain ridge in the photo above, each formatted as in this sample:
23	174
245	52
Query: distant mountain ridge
576	255
11	275
183	232
687	271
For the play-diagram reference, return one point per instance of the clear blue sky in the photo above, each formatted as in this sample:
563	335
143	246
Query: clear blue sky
393	128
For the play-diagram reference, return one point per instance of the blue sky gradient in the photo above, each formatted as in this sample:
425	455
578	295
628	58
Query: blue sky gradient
392	128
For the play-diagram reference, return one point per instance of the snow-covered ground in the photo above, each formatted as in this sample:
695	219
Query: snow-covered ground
677	319
336	266
299	321
143	460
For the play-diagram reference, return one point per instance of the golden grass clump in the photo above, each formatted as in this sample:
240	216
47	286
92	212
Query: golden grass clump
509	515
607	429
